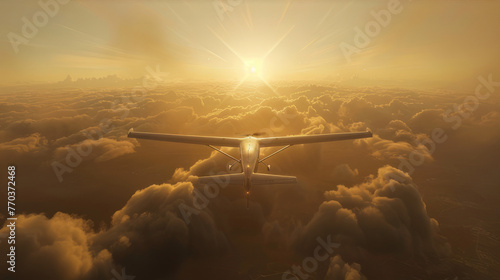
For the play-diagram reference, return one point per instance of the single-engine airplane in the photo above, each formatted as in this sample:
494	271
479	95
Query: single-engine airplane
249	153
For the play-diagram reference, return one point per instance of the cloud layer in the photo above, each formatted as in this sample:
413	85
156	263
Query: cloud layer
76	168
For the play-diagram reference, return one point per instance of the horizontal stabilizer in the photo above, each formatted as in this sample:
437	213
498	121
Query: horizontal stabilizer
239	179
223	180
269	179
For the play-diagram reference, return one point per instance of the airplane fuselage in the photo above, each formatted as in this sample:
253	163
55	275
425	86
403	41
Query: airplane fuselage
249	151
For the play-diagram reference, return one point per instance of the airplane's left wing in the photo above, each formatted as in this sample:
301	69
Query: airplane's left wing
306	139
189	139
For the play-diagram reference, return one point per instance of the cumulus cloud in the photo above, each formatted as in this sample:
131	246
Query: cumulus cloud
343	174
340	270
387	149
385	215
56	248
161	224
52	128
24	145
102	149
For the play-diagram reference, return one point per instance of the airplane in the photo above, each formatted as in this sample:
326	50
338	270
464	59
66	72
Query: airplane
249	153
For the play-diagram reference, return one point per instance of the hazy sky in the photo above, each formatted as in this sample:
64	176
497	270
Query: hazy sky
92	200
447	41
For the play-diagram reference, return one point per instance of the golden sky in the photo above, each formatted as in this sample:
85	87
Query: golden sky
432	41
92	199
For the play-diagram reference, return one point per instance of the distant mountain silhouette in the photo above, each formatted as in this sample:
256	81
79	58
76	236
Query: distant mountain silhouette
110	80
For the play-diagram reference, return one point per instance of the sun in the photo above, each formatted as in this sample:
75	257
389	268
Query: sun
254	72
253	67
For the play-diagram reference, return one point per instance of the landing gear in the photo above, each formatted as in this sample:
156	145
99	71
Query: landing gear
232	165
268	166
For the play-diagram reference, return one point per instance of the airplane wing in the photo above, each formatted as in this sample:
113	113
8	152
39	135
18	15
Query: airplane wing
306	139
190	139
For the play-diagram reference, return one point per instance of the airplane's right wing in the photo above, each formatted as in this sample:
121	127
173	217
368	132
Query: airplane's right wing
189	139
306	139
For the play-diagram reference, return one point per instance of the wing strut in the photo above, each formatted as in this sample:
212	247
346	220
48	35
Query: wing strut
263	159
226	154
